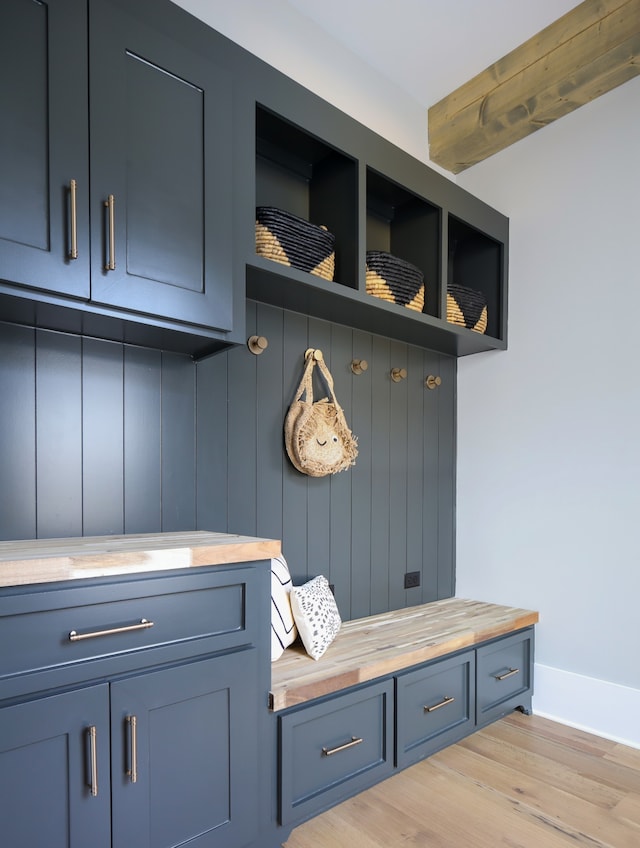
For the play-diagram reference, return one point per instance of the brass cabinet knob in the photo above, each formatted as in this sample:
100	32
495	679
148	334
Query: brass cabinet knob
257	344
358	366
432	382
398	374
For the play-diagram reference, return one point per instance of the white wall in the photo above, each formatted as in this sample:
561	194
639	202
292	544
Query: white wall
549	432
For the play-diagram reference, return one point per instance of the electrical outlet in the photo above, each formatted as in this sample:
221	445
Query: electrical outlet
411	579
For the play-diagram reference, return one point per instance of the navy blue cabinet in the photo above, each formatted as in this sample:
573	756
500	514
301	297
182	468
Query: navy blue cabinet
130	710
44	157
138	247
54	771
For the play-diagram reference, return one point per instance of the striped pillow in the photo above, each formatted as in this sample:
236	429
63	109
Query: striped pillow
283	627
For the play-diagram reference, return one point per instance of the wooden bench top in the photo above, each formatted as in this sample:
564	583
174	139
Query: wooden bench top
378	645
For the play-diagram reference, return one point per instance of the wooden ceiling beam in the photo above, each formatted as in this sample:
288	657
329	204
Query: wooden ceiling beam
585	53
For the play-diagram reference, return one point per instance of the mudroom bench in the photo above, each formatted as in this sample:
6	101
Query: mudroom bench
392	689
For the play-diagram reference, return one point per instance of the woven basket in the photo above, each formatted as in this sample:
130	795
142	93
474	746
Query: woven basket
466	308
394	280
292	241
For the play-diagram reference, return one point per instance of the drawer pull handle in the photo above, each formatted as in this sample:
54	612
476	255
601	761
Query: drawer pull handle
110	205
355	740
132	771
443	703
73	215
92	734
143	624
509	673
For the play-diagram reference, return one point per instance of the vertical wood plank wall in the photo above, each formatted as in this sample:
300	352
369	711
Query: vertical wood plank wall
102	438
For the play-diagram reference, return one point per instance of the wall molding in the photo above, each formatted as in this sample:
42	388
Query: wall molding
586	703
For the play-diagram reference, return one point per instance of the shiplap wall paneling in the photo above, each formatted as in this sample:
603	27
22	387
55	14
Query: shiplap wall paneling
58	434
400	472
380	473
178	442
242	418
295	486
17	433
212	457
319	496
340	525
361	483
270	408
95	437
102	438
445	499
142	440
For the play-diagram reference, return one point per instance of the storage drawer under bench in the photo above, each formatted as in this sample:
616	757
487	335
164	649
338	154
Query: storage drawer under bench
504	675
435	706
332	749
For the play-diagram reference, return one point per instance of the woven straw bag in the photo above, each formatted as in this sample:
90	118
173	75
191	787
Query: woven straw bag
316	435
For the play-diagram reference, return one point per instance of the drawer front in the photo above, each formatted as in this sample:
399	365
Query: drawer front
434	707
504	676
68	626
331	750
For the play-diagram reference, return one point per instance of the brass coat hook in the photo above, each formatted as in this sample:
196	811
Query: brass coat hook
257	344
432	382
398	374
359	366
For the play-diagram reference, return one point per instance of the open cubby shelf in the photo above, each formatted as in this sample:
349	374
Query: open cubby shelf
392	203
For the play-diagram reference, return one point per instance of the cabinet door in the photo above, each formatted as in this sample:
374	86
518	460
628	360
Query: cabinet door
44	144
46	762
161	147
187	773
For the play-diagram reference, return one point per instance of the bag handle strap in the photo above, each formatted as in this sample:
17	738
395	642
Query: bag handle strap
306	383
313	357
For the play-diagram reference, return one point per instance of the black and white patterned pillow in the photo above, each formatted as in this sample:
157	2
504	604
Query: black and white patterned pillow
283	626
316	614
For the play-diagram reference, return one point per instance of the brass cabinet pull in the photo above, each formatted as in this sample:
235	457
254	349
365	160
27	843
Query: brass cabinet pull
110	204
443	703
73	215
132	771
509	673
329	752
93	759
143	624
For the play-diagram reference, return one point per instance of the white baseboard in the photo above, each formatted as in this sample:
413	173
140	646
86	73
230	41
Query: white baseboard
596	706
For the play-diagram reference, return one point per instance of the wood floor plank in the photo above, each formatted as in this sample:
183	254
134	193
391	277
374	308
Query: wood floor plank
523	782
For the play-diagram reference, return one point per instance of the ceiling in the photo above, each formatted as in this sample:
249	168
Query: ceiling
430	47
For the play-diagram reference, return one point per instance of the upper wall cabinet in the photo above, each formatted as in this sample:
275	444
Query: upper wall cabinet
44	174
142	241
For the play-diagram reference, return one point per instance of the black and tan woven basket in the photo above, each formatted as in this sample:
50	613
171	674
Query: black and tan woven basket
394	280
466	308
292	241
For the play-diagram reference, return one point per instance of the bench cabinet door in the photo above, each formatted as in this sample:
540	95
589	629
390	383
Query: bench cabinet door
54	771
435	707
186	773
333	749
504	676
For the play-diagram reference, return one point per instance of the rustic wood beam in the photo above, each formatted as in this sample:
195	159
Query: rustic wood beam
585	53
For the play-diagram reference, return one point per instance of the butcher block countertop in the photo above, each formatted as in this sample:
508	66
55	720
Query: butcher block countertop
379	645
47	560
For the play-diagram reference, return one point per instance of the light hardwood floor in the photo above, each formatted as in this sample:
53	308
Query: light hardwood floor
523	782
